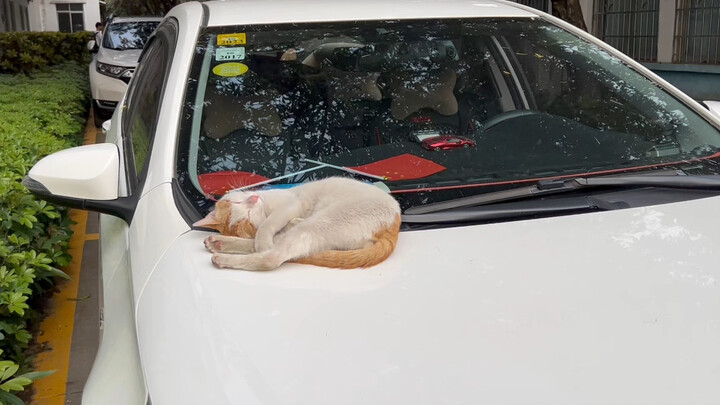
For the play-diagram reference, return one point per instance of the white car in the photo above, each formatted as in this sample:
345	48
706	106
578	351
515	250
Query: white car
570	257
115	61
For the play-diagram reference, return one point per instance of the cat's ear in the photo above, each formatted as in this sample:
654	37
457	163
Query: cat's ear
210	221
252	199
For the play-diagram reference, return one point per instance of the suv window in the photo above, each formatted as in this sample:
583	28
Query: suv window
128	35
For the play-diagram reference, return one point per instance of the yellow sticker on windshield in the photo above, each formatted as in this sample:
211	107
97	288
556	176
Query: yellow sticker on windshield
231	39
230	69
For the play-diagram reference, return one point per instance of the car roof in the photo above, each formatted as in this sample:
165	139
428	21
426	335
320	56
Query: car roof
133	19
240	12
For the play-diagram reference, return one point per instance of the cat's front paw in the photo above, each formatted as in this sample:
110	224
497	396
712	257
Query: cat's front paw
222	261
213	243
254	262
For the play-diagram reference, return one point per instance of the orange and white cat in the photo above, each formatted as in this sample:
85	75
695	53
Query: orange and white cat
335	222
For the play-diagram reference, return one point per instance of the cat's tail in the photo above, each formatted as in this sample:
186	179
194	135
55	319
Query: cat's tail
384	244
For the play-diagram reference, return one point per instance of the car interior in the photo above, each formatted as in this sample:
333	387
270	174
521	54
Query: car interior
368	103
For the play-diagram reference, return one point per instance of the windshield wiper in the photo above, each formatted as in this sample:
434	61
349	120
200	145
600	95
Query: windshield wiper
558	186
518	209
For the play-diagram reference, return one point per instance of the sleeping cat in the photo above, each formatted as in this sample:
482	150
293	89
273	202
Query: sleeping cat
335	222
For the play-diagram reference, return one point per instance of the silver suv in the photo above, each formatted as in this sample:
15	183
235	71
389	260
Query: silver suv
114	64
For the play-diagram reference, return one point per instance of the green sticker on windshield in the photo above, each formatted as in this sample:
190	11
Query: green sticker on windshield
230	69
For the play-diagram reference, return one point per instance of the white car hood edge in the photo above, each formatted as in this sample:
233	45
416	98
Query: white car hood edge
125	58
619	307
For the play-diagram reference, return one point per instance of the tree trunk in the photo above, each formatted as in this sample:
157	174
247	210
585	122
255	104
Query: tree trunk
570	11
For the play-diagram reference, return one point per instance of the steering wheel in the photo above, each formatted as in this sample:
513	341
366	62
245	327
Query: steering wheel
504	116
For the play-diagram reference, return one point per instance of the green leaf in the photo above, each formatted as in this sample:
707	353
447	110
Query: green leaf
23	336
7	398
16	384
36	375
57	273
9	372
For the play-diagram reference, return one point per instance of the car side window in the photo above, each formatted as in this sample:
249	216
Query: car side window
142	104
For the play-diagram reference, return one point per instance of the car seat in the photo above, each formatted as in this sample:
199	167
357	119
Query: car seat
247	126
419	103
354	100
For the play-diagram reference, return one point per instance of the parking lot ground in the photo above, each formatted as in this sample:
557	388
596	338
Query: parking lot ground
71	330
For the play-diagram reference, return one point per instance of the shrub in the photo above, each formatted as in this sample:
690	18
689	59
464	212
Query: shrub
27	51
39	114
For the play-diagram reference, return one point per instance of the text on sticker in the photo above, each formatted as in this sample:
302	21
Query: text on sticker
231	39
226	54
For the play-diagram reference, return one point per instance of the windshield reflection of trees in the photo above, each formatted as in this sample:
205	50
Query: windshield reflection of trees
592	110
123	36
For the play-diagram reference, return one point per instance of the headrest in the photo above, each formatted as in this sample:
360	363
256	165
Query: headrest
412	92
346	86
226	113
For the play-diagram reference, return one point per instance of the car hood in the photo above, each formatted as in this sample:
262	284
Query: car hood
614	307
126	58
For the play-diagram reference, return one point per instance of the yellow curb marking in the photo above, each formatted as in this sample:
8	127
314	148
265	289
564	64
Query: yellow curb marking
57	329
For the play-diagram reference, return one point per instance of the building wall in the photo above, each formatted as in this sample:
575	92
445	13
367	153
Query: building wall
14	15
44	14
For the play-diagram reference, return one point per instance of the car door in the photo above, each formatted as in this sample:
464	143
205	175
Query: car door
117	375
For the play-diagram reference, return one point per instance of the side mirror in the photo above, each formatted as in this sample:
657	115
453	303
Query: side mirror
84	177
713	106
106	127
92	46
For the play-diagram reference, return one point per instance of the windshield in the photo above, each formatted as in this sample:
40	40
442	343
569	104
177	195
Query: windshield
432	109
128	35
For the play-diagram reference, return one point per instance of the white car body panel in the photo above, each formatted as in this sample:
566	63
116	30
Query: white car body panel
155	226
127	58
615	307
116	377
714	107
289	11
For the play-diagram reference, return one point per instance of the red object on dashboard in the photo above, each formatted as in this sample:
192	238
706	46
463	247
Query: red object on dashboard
402	167
220	183
445	142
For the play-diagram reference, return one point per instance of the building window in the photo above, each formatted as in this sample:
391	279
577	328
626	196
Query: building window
11	14
3	16
70	17
542	5
697	32
20	16
26	18
630	26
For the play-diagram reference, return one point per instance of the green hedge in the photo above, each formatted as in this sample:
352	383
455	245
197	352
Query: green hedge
27	51
39	114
